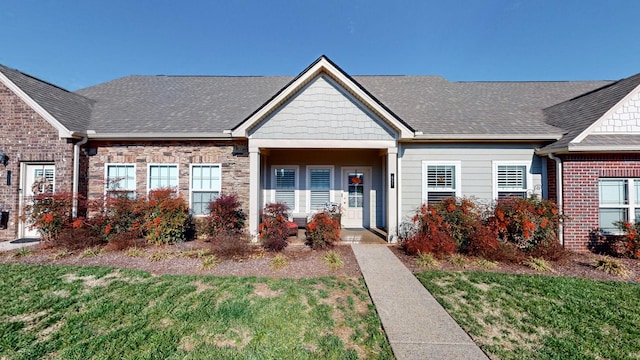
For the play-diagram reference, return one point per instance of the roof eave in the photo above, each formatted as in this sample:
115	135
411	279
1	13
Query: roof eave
501	137
159	136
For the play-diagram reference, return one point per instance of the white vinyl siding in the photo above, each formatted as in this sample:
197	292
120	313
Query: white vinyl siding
163	176
205	186
510	180
619	201
285	185
319	187
440	180
120	179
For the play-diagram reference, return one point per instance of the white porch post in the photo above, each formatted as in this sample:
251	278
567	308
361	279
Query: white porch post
254	190
392	195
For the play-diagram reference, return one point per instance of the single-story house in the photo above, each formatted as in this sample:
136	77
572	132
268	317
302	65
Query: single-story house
378	145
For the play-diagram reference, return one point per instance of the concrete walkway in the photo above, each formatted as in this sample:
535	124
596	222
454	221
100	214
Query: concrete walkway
7	245
416	325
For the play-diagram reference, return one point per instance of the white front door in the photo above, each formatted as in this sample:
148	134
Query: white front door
355	197
35	179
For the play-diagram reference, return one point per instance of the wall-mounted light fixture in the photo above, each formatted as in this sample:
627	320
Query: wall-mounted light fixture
4	159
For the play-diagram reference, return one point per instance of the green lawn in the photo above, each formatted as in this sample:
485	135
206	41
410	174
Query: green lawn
105	313
542	317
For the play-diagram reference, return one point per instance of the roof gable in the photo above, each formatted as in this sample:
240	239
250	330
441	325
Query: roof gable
322	110
589	115
65	111
323	66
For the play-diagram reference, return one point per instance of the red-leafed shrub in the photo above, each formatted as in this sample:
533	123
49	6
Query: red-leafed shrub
483	242
627	244
225	216
167	219
273	230
323	230
462	217
526	222
430	235
230	245
50	213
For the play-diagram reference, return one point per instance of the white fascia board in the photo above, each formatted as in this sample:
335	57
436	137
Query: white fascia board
512	137
322	66
63	132
608	148
321	144
609	112
158	136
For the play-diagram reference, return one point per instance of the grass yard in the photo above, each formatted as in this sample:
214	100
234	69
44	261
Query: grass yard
542	317
107	313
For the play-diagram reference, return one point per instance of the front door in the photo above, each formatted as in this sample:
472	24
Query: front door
355	197
35	179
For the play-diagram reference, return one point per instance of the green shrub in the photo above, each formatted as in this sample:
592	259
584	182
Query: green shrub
539	264
279	261
209	262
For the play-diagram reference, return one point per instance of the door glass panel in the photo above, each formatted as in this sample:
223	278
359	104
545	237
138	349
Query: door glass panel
356	190
43	181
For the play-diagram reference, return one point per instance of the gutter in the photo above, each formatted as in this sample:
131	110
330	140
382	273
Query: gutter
158	136
559	195
76	173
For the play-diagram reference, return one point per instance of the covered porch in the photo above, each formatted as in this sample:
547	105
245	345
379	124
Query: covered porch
360	181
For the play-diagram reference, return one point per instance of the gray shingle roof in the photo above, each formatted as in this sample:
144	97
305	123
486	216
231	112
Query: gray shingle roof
178	104
431	104
577	114
609	140
434	105
70	109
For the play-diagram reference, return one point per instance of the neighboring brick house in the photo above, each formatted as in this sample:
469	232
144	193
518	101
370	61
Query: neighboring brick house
379	145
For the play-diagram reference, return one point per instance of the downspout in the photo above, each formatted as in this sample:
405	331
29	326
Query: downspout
559	195
76	173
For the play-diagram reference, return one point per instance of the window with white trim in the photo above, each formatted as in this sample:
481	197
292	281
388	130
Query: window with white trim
440	180
619	201
163	176
120	180
319	180
510	180
285	184
204	187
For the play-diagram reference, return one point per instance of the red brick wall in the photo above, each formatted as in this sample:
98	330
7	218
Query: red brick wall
234	169
580	191
26	137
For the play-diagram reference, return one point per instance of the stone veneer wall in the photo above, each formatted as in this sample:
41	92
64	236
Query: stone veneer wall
26	137
580	185
234	168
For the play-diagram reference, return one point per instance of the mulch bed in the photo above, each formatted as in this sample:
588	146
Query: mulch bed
302	262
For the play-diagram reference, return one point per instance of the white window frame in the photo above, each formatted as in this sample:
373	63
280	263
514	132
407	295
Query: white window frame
528	177
296	185
308	191
630	206
458	178
191	191
106	177
162	164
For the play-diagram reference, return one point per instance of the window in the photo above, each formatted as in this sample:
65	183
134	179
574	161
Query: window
510	180
319	184
440	180
285	184
121	180
205	187
163	176
619	201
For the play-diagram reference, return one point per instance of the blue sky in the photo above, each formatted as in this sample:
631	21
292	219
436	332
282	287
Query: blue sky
75	44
